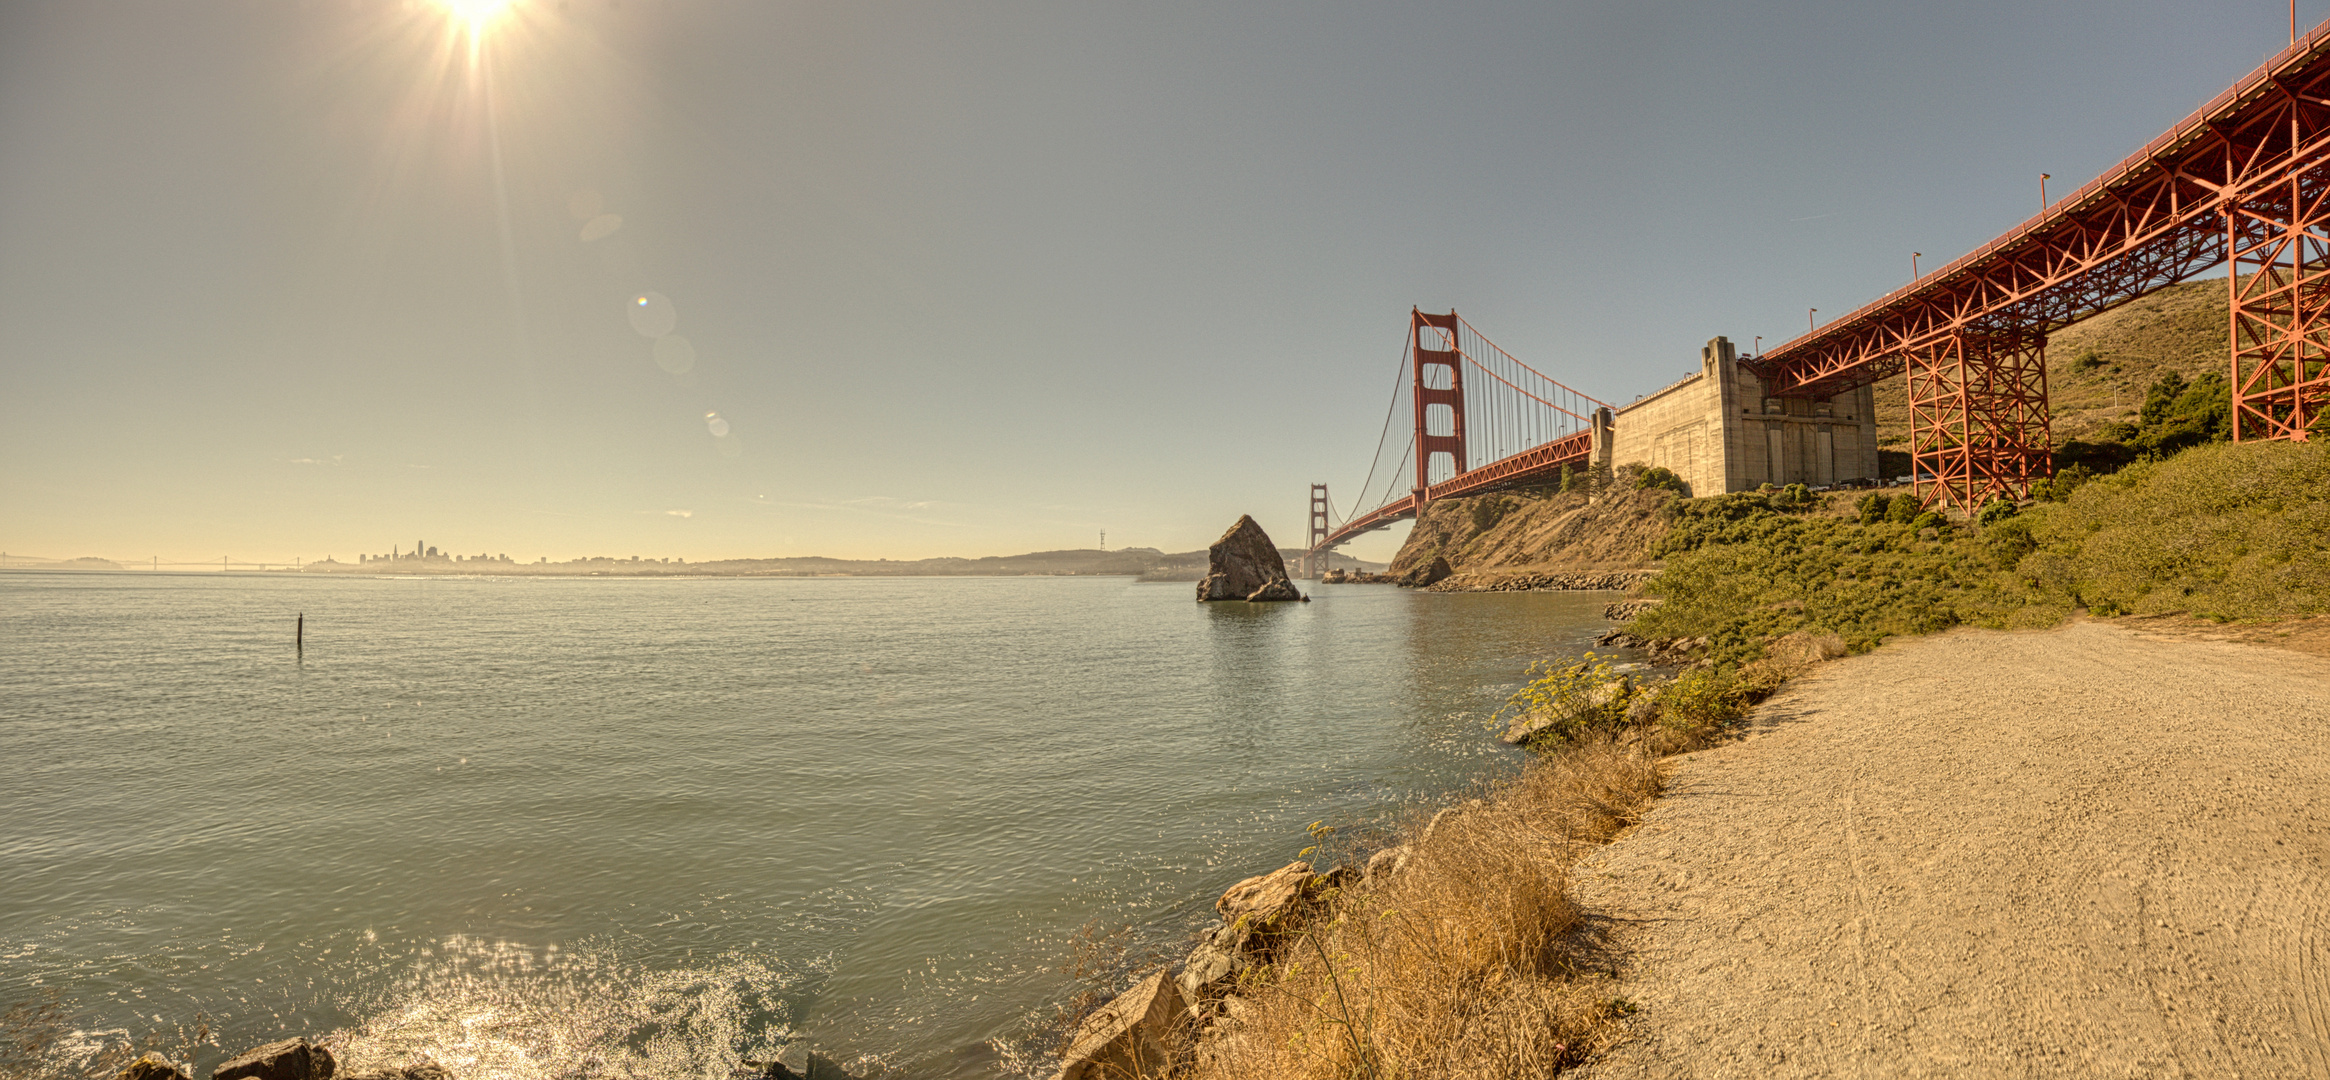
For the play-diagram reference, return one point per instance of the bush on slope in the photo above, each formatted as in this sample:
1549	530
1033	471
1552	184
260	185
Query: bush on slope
2222	530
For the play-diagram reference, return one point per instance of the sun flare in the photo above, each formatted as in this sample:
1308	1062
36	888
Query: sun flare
476	13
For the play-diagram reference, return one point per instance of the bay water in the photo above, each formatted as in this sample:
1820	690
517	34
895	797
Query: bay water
638	827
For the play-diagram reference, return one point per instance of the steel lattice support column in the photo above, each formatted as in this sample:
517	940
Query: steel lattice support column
2279	240
1439	330
1978	417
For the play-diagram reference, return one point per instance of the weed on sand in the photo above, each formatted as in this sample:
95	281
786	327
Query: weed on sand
1469	960
1462	954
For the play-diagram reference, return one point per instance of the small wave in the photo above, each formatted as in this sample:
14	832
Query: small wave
502	1011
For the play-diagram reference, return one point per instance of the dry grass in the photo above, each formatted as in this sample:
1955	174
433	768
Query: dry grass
1470	961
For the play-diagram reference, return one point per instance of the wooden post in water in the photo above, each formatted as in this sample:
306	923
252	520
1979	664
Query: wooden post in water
299	636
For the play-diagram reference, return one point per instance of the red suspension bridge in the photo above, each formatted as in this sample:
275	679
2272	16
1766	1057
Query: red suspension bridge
2244	179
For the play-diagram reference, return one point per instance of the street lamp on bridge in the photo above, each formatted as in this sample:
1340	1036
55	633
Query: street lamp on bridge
2043	191
1913	257
1809	323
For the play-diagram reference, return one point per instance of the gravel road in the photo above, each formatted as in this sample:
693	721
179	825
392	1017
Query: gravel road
2088	851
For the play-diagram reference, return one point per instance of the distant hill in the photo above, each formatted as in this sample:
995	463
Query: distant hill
34	562
1148	564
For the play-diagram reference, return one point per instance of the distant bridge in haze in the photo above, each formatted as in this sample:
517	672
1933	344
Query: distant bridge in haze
2244	179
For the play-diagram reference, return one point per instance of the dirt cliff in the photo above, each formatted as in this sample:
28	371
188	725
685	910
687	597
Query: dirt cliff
1491	538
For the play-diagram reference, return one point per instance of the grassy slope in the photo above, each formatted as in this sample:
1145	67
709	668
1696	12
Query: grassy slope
2222	531
1527	533
2097	370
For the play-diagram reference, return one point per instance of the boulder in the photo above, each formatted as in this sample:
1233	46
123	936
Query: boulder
1137	1035
1429	574
290	1059
1334	577
1245	565
798	1061
1386	863
1214	966
1264	901
152	1067
428	1070
1253	911
1602	699
1793	653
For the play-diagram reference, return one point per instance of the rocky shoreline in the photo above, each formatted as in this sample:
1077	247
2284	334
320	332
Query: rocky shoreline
300	1059
1145	1030
1546	581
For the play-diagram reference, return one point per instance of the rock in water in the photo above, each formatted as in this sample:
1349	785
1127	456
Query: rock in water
1264	901
291	1059
1244	565
428	1070
1429	574
151	1067
1137	1035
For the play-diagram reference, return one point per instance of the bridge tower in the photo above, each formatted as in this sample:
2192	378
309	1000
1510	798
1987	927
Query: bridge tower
2281	305
1428	361
1316	564
1978	425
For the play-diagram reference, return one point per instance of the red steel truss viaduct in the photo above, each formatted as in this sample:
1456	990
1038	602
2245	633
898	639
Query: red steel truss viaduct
2244	179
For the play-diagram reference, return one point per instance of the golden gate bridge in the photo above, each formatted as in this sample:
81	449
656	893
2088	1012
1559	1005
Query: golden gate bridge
2244	179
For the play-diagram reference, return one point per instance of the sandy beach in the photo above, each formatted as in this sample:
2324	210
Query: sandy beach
2087	851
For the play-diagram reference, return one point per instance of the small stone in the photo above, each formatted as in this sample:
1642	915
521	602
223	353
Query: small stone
428	1070
1384	864
152	1067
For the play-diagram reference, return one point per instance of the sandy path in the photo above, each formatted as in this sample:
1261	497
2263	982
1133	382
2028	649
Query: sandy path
2083	852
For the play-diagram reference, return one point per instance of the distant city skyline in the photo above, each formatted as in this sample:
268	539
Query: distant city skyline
716	280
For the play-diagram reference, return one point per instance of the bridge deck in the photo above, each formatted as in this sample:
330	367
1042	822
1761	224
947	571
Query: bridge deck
1520	469
2157	218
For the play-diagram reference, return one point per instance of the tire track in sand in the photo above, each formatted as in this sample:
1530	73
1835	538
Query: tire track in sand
2077	852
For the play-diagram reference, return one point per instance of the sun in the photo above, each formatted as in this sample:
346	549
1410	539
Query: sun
476	13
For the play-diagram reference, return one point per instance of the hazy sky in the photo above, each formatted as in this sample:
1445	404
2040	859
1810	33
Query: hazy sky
954	278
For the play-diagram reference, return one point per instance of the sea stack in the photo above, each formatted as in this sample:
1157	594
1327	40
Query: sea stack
1244	565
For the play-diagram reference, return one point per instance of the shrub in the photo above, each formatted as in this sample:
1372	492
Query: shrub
1995	511
2178	415
1659	477
2009	540
1588	694
2062	484
1931	519
1871	508
1702	697
1904	509
1488	510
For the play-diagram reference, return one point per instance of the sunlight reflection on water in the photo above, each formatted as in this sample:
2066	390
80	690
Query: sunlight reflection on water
504	1011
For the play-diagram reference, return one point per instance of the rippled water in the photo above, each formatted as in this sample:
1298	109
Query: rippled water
622	827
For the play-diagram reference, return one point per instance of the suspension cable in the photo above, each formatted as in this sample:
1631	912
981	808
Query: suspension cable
1388	411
